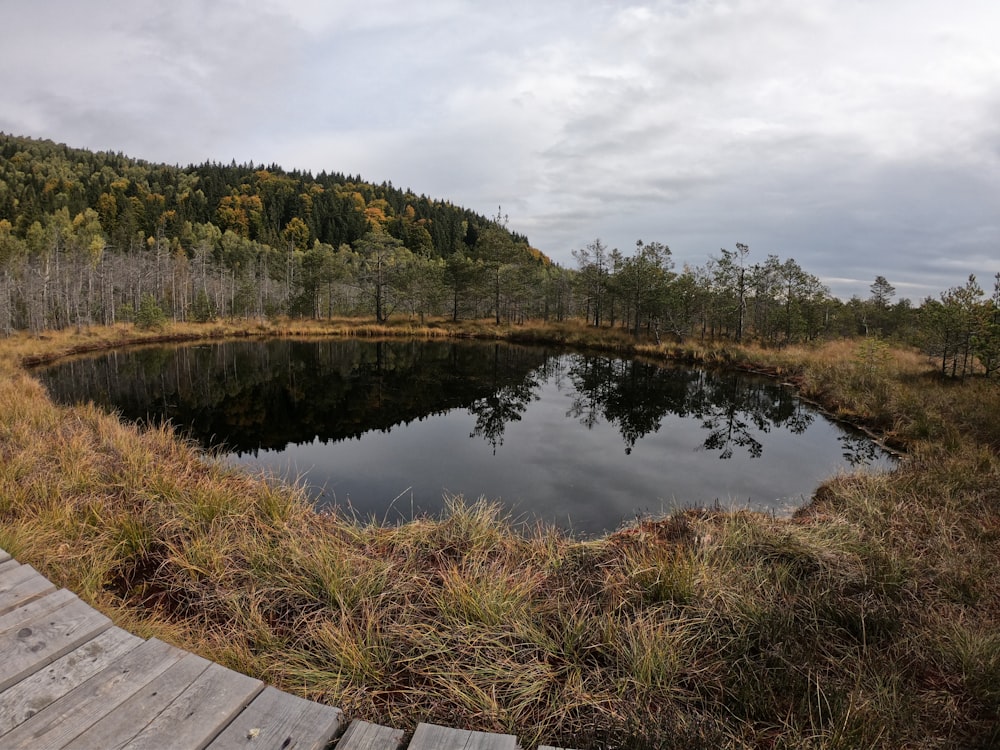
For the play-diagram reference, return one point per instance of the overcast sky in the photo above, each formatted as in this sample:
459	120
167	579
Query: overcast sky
859	137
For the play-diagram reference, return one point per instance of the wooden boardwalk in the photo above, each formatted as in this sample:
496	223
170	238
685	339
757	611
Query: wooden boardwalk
70	679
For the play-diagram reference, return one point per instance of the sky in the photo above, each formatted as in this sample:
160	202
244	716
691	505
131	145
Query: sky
859	137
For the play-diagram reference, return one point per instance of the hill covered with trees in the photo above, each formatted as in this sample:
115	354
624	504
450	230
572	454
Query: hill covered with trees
85	236
97	237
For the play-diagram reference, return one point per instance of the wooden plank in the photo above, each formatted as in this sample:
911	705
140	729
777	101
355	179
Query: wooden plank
14	573
103	687
361	735
45	638
32	694
279	720
62	721
34	609
434	737
549	747
118	727
200	713
21	586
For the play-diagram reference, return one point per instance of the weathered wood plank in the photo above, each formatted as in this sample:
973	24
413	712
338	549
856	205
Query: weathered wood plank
117	728
21	586
12	573
434	737
279	720
549	747
45	638
68	717
34	609
69	680
200	713
20	702
361	735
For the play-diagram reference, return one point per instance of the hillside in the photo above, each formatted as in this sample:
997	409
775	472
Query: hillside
136	199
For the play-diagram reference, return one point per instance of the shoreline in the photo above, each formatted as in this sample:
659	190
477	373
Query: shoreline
703	628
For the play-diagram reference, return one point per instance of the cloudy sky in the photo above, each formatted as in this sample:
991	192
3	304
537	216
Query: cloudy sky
860	137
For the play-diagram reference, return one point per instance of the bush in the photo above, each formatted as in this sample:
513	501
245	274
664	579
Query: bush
202	310
150	314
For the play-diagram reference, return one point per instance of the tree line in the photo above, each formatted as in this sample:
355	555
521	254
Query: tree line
97	237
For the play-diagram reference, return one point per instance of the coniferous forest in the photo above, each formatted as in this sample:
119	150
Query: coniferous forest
99	238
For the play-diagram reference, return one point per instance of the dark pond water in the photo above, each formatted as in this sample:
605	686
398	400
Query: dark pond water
388	429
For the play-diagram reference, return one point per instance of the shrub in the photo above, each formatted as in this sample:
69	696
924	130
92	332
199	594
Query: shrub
150	314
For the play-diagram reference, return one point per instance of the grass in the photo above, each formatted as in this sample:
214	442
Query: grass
866	620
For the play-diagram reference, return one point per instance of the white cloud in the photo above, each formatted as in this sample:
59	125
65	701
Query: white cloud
859	138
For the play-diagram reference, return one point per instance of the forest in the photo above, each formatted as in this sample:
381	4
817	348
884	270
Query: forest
99	238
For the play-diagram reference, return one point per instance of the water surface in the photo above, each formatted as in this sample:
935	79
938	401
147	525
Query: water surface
387	429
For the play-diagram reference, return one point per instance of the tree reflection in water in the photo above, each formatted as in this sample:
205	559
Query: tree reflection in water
587	437
637	396
859	450
505	402
735	404
250	396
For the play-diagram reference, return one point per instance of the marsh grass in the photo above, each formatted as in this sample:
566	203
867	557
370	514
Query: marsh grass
866	620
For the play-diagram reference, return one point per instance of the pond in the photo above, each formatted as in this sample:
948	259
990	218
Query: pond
388	429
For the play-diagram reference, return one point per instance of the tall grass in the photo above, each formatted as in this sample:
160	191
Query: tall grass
867	620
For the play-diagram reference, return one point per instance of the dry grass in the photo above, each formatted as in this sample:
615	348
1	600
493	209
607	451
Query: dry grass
868	620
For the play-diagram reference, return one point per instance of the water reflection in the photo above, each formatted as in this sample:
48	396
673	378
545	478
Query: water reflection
860	450
636	396
252	396
736	407
507	400
545	426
